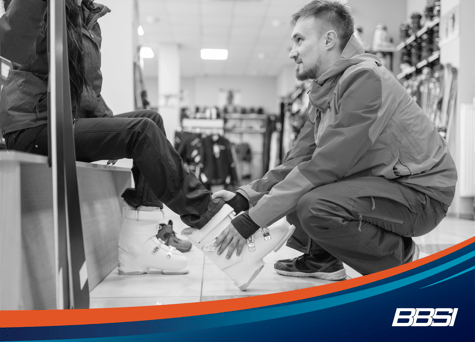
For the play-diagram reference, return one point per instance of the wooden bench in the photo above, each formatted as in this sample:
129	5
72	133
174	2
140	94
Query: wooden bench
27	246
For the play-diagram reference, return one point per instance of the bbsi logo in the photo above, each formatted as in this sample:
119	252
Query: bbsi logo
425	317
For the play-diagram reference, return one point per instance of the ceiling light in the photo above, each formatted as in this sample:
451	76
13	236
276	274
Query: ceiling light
261	55
140	30
276	23
146	52
214	54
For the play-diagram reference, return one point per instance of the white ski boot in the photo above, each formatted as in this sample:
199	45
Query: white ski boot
140	251
244	268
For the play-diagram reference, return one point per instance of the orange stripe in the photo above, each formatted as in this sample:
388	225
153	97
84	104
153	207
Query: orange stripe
42	318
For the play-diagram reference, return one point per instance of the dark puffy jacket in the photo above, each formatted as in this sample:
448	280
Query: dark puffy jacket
23	101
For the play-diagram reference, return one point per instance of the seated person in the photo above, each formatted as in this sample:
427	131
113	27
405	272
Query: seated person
157	169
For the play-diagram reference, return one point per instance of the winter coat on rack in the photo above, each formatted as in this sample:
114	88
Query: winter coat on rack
218	163
188	146
28	80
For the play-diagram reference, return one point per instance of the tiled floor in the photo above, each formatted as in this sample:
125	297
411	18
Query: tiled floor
206	282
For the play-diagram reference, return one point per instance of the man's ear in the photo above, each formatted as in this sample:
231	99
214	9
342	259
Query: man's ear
331	39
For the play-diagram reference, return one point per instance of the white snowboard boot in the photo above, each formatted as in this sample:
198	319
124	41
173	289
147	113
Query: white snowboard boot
244	268
140	251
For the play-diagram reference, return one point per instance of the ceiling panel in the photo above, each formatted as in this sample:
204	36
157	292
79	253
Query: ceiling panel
183	22
216	20
249	21
183	8
251	9
247	29
215	31
216	8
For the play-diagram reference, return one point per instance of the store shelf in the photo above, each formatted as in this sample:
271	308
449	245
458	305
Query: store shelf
244	131
202	123
245	116
406	72
420	65
433	57
418	34
427	27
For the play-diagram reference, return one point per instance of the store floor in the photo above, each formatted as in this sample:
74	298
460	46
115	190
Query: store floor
206	282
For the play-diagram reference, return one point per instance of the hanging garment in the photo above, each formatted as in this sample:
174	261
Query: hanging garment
219	167
188	146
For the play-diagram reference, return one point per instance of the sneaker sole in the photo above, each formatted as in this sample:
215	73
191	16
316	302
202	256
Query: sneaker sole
338	275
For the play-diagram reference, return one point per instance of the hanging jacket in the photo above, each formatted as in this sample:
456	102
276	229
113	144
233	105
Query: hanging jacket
188	146
218	162
23	42
361	122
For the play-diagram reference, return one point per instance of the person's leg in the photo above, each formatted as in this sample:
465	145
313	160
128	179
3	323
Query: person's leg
143	141
142	195
368	222
300	240
314	262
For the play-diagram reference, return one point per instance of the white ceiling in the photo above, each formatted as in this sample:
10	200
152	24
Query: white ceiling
256	33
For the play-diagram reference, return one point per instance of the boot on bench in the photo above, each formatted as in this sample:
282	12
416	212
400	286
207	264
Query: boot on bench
244	268
141	251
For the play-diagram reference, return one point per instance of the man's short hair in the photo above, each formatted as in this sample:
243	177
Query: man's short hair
336	15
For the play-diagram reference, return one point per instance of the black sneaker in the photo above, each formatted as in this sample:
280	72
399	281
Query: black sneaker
168	235
308	265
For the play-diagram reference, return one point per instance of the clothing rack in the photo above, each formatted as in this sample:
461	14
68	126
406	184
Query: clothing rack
215	126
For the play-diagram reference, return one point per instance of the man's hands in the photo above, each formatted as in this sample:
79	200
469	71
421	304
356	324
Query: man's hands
225	195
237	201
230	237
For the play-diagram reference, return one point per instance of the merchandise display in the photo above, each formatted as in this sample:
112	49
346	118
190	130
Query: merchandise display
419	45
432	85
294	115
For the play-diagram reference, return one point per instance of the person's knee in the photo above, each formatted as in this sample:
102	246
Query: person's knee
309	209
145	125
316	211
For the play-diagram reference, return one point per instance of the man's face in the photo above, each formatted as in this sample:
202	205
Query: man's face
307	49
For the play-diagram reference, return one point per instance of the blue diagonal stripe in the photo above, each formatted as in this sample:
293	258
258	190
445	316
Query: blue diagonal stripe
455	275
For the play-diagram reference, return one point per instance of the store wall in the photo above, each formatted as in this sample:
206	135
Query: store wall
286	81
368	14
203	91
151	86
255	91
118	45
415	6
460	53
188	92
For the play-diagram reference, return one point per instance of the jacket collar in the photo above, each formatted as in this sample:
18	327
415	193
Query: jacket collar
321	92
92	13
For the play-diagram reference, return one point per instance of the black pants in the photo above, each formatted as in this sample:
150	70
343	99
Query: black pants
158	170
367	222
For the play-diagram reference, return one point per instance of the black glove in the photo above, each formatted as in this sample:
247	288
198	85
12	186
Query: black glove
245	225
238	203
